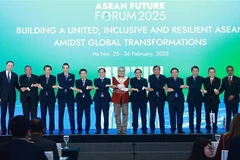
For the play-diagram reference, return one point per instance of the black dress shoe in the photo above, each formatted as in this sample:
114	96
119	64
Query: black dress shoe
79	132
163	132
144	132
72	132
87	132
4	133
105	132
134	132
191	131
60	132
208	131
152	132
172	132
51	132
199	132
181	132
98	132
215	132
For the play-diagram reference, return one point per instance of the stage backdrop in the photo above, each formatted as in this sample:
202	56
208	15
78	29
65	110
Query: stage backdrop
134	34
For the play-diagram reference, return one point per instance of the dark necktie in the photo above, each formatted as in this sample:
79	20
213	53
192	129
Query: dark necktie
211	81
47	79
28	78
229	80
102	82
9	78
83	83
66	77
176	95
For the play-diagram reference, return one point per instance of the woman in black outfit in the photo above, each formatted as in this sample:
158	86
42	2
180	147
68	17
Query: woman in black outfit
202	150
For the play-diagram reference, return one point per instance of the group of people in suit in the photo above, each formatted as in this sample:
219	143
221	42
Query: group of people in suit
28	142
141	92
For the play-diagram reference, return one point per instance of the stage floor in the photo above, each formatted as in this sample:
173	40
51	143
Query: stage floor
129	137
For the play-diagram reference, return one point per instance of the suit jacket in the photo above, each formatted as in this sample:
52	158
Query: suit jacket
46	144
25	82
234	89
47	88
210	96
141	95
8	89
21	150
233	148
79	97
175	85
102	89
195	95
66	84
157	84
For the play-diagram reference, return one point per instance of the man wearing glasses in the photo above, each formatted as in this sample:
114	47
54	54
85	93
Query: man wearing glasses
231	88
120	99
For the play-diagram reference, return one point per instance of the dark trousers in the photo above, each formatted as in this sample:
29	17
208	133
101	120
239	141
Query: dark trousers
176	109
191	108
99	107
70	106
231	110
10	105
30	107
208	108
83	106
49	105
153	107
136	106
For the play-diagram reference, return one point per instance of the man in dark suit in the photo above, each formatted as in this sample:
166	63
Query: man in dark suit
231	88
195	98
29	94
47	84
102	99
37	128
157	98
8	85
211	98
19	148
83	99
138	98
175	100
65	96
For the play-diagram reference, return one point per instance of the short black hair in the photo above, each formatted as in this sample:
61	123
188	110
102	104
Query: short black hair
9	62
19	126
46	67
28	66
138	70
195	67
174	69
211	68
229	67
65	64
102	69
156	66
37	125
82	70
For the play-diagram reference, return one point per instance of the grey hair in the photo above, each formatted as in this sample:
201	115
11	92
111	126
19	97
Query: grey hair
121	67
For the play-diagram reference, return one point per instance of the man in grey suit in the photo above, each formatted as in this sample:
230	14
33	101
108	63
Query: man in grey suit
37	128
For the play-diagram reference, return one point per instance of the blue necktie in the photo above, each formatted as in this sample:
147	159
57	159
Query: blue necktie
66	77
9	79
